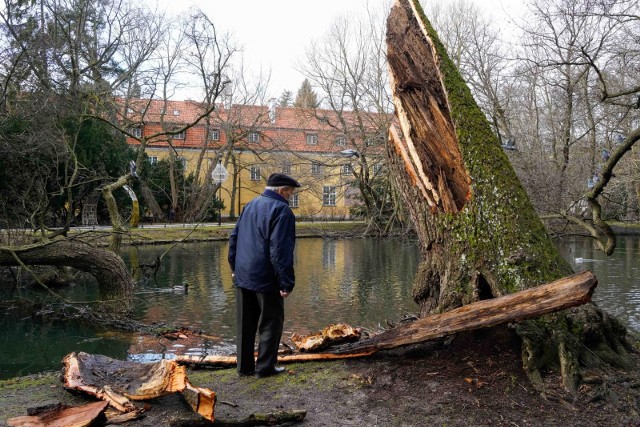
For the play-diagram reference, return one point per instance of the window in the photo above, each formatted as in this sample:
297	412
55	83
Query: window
293	200
347	169
371	140
328	196
341	140
176	112
254	173
136	132
153	160
214	134
179	135
254	137
286	167
316	168
312	138
376	169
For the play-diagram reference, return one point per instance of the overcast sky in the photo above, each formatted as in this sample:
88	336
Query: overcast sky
274	34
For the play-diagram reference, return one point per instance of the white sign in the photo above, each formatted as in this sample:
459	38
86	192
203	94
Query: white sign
219	174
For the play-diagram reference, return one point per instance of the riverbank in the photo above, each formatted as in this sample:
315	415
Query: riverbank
155	234
473	379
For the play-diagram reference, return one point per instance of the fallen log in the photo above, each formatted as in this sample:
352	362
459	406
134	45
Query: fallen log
567	292
216	361
77	416
563	293
118	382
268	419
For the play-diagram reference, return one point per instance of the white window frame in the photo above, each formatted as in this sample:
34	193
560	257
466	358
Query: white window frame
136	132
153	160
377	168
254	173
286	167
312	139
294	200
180	135
316	168
329	195
341	140
214	134
347	169
253	137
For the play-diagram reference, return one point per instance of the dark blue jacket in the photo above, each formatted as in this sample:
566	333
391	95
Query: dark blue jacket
262	243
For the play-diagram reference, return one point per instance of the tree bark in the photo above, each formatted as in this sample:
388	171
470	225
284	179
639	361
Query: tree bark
108	268
480	236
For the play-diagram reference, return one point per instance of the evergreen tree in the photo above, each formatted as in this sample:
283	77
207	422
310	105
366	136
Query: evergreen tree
306	97
285	99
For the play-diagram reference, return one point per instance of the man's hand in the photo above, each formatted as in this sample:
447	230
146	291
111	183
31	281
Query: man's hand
284	294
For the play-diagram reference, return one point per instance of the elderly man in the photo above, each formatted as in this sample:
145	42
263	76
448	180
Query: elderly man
261	258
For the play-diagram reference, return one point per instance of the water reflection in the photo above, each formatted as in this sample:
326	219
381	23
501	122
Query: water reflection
618	290
359	282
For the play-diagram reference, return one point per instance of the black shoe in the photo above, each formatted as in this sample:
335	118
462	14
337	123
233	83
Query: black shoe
245	374
275	371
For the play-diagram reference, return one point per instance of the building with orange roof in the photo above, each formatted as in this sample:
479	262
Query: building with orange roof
325	150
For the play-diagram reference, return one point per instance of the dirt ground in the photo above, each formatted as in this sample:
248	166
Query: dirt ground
472	379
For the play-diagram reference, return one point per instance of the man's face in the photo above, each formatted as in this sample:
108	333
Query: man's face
286	192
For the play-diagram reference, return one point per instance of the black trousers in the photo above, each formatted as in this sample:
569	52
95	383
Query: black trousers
262	313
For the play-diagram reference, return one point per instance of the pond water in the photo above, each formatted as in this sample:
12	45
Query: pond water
362	282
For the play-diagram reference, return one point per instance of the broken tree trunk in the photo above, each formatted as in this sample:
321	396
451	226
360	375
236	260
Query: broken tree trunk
118	382
78	416
480	237
564	293
108	268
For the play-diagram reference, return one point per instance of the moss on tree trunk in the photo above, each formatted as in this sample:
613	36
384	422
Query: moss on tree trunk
480	236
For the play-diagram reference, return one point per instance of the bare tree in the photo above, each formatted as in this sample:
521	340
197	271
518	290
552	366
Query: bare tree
348	66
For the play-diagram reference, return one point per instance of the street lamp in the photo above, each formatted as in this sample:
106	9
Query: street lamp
219	175
350	152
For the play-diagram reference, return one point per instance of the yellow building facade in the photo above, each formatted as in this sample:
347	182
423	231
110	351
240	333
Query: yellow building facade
323	150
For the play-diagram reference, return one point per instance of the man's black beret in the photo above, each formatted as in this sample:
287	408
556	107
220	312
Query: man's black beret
281	180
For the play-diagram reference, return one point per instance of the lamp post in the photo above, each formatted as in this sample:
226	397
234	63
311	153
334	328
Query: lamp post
350	152
219	175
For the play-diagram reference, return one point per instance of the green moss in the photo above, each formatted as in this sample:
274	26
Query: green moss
22	383
498	231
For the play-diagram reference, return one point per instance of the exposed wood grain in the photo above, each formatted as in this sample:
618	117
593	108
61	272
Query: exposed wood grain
429	146
78	416
118	382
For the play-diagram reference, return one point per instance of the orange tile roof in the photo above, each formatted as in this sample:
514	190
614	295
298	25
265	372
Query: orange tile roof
286	131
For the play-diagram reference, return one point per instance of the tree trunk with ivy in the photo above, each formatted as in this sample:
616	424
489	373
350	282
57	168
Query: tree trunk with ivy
480	236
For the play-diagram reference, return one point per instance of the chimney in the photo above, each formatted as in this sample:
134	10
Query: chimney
272	110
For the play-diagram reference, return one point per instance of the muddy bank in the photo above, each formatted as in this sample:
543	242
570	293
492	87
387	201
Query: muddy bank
471	379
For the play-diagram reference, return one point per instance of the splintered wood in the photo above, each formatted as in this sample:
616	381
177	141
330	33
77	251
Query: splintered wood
428	144
78	416
331	335
118	382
